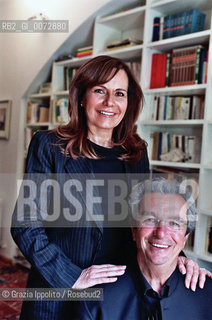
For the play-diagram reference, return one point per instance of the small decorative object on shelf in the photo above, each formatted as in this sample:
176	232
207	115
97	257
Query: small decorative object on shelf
120	44
45	88
64	57
175	147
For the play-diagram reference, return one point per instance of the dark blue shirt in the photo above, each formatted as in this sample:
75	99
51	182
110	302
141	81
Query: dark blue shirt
132	298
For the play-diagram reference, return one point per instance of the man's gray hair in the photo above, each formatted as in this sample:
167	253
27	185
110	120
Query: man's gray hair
164	186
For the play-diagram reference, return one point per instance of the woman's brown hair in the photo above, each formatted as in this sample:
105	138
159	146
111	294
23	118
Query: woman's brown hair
96	71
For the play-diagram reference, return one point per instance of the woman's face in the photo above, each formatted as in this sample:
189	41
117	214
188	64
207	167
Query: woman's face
105	105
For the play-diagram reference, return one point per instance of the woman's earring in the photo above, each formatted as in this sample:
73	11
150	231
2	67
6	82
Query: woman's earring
81	105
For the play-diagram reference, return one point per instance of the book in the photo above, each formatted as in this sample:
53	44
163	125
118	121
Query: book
183	22
43	113
182	108
167	27
195	21
84	51
158	70
168	64
120	47
119	43
208	236
45	87
61	114
32	112
69	73
185	66
156	29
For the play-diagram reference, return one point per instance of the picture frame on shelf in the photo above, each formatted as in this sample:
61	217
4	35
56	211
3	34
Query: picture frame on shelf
5	112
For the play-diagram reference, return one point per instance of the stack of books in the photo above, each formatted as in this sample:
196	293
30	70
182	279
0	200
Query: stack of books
85	51
178	24
121	44
45	87
37	112
183	66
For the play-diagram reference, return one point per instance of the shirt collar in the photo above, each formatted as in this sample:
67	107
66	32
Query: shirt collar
144	288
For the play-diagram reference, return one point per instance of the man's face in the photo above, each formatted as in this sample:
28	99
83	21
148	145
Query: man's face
160	235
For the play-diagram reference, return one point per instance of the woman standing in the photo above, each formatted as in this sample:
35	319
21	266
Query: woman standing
104	104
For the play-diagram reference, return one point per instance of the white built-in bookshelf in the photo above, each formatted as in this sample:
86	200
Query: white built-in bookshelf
137	22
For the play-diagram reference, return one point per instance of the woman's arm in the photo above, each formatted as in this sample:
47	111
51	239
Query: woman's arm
29	234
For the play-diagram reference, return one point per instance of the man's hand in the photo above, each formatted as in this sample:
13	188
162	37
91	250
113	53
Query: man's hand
97	274
193	273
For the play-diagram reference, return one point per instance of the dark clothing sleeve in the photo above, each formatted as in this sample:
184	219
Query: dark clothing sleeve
45	256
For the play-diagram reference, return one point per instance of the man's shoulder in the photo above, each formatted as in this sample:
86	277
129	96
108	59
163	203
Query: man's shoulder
117	296
205	293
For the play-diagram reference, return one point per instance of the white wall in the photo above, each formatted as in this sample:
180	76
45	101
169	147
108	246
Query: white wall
22	56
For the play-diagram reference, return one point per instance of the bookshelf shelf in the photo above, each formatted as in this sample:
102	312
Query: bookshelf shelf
205	257
61	93
206	212
125	53
208	166
175	164
201	37
197	89
119	18
137	22
169	6
39	95
172	123
74	62
38	124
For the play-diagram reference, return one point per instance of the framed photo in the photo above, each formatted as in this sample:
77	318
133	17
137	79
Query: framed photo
5	111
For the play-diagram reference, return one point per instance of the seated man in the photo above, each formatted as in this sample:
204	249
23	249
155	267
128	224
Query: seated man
152	288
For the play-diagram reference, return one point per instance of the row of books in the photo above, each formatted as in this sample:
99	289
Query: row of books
69	73
60	111
135	67
177	108
37	112
182	66
208	240
175	148
84	51
123	43
178	24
